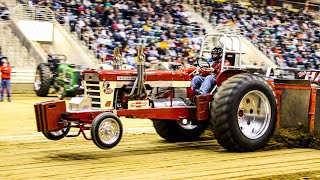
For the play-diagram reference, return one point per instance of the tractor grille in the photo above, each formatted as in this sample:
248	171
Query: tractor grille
92	89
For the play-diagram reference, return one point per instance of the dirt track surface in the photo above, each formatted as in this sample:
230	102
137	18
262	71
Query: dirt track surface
142	154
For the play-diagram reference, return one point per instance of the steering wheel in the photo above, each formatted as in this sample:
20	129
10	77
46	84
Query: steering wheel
201	67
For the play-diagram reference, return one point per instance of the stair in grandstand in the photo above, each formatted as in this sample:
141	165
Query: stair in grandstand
253	56
23	66
12	48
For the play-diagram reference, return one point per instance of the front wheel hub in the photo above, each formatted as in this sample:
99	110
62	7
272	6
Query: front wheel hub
109	131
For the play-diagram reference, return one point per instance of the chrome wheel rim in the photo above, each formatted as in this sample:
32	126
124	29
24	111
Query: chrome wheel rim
37	81
109	131
186	124
254	114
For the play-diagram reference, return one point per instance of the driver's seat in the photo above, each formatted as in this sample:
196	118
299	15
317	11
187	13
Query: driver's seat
231	57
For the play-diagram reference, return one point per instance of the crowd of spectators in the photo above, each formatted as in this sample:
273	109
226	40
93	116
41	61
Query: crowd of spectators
162	27
290	37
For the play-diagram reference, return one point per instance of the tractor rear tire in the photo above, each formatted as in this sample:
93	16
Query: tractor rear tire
243	113
173	131
43	83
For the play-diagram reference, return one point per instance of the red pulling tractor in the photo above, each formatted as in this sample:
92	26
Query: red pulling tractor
243	108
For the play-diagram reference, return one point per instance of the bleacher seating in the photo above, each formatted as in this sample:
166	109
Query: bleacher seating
289	37
163	27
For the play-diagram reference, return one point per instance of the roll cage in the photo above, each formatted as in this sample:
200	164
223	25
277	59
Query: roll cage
231	45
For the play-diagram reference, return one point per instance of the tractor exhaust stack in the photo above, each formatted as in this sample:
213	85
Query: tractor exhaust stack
117	59
139	82
140	73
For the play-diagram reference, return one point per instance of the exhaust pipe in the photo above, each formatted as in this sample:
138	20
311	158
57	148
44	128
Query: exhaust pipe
139	82
117	59
142	92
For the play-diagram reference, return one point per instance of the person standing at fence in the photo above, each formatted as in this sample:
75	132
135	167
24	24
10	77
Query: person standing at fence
5	70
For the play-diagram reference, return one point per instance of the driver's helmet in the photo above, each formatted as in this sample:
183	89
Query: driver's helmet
216	53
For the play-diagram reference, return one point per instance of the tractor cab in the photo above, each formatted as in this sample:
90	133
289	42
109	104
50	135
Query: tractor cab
54	60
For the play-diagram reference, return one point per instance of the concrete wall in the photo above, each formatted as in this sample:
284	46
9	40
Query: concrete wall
34	51
22	88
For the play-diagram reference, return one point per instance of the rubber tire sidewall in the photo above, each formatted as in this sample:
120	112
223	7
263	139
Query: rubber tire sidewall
256	143
238	137
95	130
45	77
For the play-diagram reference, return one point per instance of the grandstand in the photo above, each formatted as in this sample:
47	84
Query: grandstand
290	37
167	31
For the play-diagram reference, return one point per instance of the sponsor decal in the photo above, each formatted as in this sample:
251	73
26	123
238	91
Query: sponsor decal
126	78
312	76
138	104
302	73
108	90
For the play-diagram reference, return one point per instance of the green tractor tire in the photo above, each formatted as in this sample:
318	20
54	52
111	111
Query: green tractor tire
42	81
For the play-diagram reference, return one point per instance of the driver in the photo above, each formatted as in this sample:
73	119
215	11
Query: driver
203	84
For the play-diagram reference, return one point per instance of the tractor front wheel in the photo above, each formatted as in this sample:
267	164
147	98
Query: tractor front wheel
179	131
243	113
42	80
106	130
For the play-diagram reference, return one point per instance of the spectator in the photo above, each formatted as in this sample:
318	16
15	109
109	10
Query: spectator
5	70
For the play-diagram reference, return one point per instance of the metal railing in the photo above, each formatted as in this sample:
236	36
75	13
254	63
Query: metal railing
9	3
23	12
35	13
228	29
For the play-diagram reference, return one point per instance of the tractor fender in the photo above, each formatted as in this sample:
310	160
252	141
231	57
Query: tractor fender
228	73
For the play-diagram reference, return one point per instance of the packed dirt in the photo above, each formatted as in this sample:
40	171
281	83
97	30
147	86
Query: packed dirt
141	154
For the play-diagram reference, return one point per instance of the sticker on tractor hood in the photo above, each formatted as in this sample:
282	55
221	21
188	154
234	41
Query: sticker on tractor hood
108	90
126	78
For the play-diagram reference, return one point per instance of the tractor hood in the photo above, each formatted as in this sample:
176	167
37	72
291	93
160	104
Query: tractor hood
130	75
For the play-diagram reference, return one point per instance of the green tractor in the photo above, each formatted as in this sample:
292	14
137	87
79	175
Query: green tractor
57	74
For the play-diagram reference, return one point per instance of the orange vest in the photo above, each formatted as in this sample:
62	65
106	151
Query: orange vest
5	72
